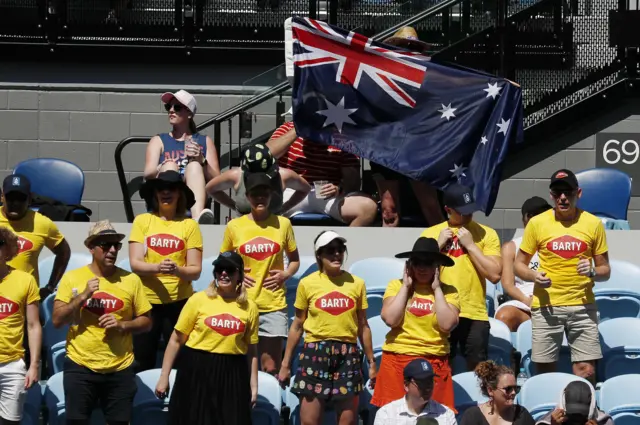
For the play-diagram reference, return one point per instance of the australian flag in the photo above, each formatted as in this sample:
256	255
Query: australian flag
430	122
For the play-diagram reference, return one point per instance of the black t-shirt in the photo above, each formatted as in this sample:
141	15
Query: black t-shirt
474	416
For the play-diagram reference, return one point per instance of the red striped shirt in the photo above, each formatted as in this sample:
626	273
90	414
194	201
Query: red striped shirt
314	161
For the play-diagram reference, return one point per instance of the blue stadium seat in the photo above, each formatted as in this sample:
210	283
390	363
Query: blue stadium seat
500	347
46	308
379	331
314	219
378	271
523	346
125	265
627	419
605	192
620	347
466	391
541	394
206	276
50	337
45	266
375	305
308	265
620	295
269	403
147	408
32	406
55	403
58	352
490	298
616	396
55	178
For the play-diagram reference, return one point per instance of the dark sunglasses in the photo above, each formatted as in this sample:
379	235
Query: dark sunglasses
225	269
556	193
421	262
332	250
2	242
106	246
510	389
176	107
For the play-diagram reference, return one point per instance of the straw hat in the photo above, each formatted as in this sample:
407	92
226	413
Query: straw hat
407	37
101	229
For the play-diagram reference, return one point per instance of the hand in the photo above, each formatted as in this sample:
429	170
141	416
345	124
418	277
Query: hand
584	267
542	279
329	190
407	280
248	281
162	387
436	280
109	321
558	417
192	149
373	372
445	236
93	285
31	377
168	266
275	280
465	237
284	376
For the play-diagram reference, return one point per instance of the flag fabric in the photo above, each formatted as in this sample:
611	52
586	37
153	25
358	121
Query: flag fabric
430	122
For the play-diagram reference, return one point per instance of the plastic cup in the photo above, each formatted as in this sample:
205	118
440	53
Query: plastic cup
318	185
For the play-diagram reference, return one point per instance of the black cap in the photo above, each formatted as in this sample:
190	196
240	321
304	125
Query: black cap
253	180
460	198
16	183
577	398
534	206
418	369
229	259
565	178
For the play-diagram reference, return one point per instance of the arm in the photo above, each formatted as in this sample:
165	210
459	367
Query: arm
138	325
219	184
521	267
154	150
177	340
393	308
34	334
293	180
191	271
138	265
508	274
364	335
489	266
62	252
212	168
64	313
252	355
446	314
295	333
602	267
350	179
280	145
294	263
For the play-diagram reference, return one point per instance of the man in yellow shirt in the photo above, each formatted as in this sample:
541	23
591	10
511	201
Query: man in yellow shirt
475	250
567	241
104	306
34	232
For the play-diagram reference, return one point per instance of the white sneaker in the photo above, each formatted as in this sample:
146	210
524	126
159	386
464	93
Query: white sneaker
206	217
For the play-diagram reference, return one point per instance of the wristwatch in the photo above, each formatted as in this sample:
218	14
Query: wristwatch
592	273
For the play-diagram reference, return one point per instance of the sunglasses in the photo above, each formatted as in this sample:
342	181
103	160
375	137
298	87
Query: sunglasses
510	389
176	107
225	269
421	262
332	250
556	193
106	246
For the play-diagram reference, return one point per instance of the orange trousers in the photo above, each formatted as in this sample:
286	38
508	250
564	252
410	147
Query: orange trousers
389	385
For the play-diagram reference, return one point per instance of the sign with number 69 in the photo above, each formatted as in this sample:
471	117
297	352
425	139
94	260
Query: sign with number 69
620	151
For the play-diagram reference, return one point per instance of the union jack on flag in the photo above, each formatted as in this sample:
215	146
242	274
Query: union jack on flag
356	54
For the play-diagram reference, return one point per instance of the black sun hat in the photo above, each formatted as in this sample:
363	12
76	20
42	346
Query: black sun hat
167	179
428	249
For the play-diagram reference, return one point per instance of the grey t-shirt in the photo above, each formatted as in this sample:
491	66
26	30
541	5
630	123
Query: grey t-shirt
239	195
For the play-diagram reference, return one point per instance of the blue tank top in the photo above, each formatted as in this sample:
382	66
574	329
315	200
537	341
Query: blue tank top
174	149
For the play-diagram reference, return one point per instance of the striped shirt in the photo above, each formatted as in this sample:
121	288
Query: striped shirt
315	161
397	413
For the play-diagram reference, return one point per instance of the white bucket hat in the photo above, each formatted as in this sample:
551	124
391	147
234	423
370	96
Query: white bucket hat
182	96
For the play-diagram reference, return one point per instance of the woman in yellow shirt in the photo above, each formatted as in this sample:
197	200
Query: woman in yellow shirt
165	250
216	334
262	239
421	311
331	309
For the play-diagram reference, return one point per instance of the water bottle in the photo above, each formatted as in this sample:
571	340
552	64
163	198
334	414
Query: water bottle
522	378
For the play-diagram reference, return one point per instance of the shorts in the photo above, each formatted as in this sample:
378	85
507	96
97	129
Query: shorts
329	370
311	204
85	389
515	303
580	323
390	381
273	324
12	392
473	338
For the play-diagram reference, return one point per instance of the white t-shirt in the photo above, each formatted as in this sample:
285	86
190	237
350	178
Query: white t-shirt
397	413
526	287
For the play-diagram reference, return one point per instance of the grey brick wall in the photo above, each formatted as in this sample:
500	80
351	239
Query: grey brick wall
85	126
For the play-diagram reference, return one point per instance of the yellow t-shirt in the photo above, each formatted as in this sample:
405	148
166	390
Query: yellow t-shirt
560	247
34	232
217	325
262	248
419	335
166	239
89	345
332	306
463	275
17	290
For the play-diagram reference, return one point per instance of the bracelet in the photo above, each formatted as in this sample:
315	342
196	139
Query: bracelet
592	273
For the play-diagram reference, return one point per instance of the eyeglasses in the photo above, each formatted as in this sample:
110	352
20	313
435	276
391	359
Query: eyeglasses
176	107
510	389
423	385
106	246
332	250
225	269
556	193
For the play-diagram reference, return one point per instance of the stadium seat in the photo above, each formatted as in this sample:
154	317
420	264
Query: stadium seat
378	271
375	305
50	337
620	295
627	419
269	403
466	391
542	393
314	219
58	352
605	192
54	178
616	396
620	347
206	276
55	403
45	266
125	265
523	346
500	347
379	331
46	308
147	408
32	406
308	265
490	298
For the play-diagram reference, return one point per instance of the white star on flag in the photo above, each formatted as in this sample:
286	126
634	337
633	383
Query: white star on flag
483	140
289	112
337	114
458	171
447	111
503	126
493	90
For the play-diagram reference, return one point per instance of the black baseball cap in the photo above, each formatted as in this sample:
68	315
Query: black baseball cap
577	399
460	198
418	369
16	183
253	180
534	206
565	178
229	259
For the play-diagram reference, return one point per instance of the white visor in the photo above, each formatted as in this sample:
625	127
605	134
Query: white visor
326	238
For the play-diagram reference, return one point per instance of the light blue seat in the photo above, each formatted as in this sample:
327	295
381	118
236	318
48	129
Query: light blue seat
45	266
147	408
620	295
466	390
308	265
500	347
620	347
541	394
32	406
125	264
605	192
378	271
523	346
269	403
46	308
206	276
55	402
617	395
627	419
58	352
379	331
375	305
51	339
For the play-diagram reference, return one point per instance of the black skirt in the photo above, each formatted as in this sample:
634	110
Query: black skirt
211	389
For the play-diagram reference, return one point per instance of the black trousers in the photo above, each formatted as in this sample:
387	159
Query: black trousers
145	345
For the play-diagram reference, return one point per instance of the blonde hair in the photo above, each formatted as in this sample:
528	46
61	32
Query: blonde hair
241	298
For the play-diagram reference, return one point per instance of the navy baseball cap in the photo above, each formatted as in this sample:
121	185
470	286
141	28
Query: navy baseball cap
460	198
229	259
16	183
564	178
418	369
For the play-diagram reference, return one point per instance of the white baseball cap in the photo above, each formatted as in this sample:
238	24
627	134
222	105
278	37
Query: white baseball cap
182	96
326	238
